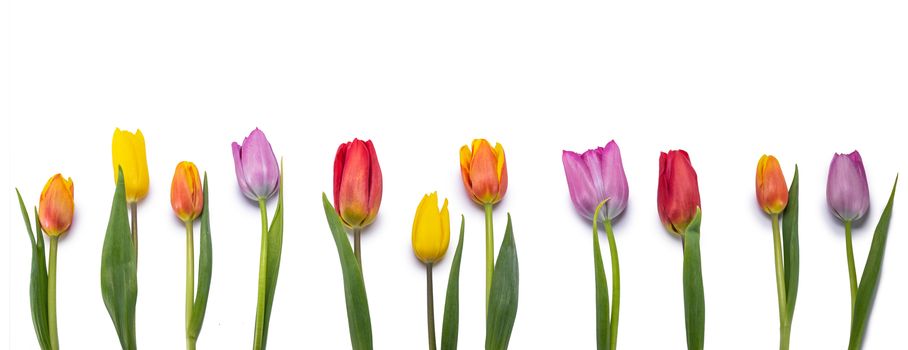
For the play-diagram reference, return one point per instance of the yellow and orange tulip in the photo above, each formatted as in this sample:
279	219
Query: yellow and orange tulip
186	192
431	229
484	171
56	207
129	153
772	190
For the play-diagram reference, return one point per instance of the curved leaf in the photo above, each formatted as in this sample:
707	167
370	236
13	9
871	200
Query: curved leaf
790	249
118	270
354	287
871	277
450	325
275	244
503	296
204	283
38	284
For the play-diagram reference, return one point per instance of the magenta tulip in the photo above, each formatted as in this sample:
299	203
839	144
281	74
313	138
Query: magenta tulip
846	188
594	176
257	170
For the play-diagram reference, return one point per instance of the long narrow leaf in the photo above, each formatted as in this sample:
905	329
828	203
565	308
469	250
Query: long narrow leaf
204	283
871	276
790	247
451	319
354	287
118	270
503	297
275	244
38	285
603	329
694	304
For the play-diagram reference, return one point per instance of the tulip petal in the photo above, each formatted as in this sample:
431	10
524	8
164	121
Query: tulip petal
240	174
375	184
339	160
614	180
354	187
484	173
580	183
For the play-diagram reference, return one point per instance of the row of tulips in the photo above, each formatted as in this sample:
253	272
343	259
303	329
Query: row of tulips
598	189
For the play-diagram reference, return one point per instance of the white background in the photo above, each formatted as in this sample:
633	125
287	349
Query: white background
725	80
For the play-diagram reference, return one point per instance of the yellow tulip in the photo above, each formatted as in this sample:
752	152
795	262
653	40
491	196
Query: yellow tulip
129	153
431	229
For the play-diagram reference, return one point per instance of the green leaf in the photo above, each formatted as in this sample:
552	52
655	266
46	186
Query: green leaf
275	244
791	255
204	282
694	303
354	287
38	284
450	324
118	270
503	297
603	333
871	276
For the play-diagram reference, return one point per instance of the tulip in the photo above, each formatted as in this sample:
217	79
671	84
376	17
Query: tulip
772	190
257	170
846	190
678	196
595	176
129	153
596	181
357	183
484	171
431	234
56	206
186	192
431	229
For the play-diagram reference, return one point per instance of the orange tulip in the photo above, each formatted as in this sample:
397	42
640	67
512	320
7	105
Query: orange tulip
56	206
484	171
772	190
186	192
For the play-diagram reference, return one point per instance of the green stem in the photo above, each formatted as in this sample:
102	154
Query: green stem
852	274
490	253
52	293
616	284
134	209
357	232
190	283
430	306
263	281
784	323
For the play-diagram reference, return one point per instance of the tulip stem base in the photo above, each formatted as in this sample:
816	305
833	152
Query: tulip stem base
52	293
190	283
852	274
784	322
134	212
490	253
430	306
616	285
357	234
263	281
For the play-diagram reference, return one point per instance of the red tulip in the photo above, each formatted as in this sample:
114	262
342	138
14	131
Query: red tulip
678	195
357	183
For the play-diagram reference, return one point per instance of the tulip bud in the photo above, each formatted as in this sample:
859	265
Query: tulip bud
431	229
595	176
772	190
55	209
186	192
357	183
679	195
846	188
129	153
257	171
484	171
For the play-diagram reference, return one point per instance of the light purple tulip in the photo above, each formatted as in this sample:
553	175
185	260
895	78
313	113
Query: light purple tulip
592	177
846	188
257	170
